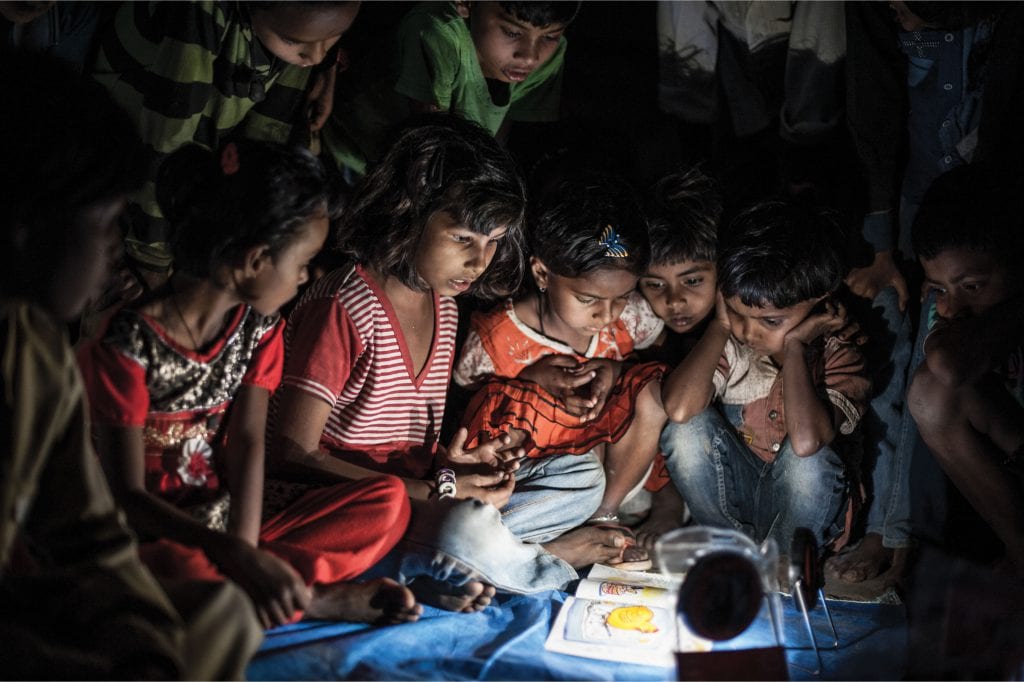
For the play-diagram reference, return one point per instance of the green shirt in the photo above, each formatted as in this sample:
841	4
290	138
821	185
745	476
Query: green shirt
432	59
191	72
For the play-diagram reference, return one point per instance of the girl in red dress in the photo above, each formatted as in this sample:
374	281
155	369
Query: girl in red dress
180	381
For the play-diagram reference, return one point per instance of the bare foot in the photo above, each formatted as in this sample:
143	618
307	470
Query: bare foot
588	545
381	602
863	562
467	598
667	513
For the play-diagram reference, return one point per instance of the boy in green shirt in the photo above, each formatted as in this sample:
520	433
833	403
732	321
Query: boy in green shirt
488	62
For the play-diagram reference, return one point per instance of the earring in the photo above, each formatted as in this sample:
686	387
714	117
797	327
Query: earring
542	289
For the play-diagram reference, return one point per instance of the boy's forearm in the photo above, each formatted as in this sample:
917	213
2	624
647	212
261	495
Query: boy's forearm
688	390
808	421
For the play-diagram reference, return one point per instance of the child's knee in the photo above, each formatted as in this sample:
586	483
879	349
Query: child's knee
820	473
931	402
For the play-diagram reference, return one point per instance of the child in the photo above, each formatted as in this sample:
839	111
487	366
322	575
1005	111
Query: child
369	359
487	62
198	72
763	459
180	383
680	285
558	351
76	601
967	397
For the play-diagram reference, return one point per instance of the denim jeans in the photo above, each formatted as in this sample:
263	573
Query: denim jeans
890	428
455	542
726	485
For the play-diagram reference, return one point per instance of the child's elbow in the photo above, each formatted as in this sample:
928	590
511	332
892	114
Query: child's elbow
805	445
680	410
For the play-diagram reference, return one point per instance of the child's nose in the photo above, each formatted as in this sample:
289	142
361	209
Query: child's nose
949	306
314	53
528	51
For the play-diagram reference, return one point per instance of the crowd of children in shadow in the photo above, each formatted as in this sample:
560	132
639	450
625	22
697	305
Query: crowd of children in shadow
483	370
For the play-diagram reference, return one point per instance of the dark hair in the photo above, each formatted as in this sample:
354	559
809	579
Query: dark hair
248	193
567	233
541	14
66	145
683	214
780	254
974	208
438	163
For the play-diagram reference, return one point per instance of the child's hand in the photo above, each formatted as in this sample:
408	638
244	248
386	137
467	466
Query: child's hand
276	590
498	453
561	376
495	488
832	319
851	333
606	373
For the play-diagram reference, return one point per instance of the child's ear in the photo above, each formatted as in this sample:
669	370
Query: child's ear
256	260
540	272
463	7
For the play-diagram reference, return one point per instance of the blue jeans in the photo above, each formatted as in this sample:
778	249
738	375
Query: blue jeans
891	435
726	485
455	542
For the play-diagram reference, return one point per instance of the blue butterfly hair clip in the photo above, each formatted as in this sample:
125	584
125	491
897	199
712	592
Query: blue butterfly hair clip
610	241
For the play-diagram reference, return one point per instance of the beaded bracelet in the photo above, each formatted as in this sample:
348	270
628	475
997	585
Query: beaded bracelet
445	479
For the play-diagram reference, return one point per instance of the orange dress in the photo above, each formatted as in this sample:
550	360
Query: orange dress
499	346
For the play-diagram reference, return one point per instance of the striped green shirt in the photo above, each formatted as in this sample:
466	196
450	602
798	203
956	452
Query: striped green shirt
191	72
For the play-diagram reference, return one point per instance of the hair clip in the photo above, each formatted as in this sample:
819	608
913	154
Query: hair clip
229	159
610	240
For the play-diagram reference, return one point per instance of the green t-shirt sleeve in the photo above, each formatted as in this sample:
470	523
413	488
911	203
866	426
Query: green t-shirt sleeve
538	98
428	62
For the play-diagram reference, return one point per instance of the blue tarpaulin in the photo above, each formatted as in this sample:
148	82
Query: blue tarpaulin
506	642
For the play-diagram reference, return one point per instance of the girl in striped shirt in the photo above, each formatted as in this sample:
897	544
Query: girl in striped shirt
370	352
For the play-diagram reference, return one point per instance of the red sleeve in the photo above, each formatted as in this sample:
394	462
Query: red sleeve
116	386
267	361
323	345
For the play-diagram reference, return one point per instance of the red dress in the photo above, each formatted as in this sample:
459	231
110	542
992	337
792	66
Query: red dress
137	376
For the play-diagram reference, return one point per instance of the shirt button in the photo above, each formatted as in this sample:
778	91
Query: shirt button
947	86
776	447
948	159
773	415
949	37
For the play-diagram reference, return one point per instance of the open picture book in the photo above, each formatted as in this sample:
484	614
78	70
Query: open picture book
625	616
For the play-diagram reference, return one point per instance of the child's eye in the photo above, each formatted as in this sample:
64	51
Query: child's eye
694	281
461	238
288	41
585	301
973	286
553	38
771	322
510	33
652	284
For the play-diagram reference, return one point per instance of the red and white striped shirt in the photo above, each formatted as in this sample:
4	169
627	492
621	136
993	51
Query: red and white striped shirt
345	346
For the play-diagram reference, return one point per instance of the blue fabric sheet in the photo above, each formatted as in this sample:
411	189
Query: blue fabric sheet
506	642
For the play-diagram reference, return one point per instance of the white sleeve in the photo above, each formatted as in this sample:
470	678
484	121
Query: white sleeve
475	365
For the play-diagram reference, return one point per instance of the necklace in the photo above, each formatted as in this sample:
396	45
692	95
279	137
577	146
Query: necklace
174	302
